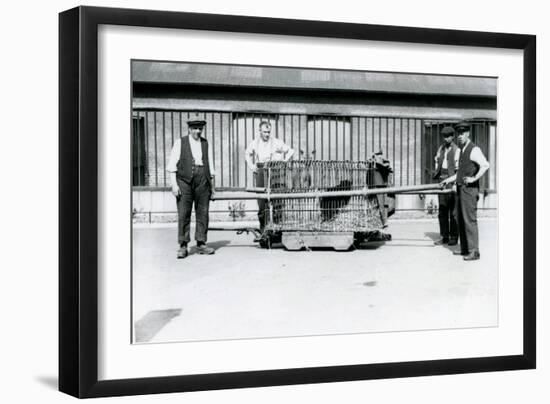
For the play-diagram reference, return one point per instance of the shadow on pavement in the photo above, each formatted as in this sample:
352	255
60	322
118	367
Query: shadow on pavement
150	324
432	235
219	244
436	236
370	245
214	244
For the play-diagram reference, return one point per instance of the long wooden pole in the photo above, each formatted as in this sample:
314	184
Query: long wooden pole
324	194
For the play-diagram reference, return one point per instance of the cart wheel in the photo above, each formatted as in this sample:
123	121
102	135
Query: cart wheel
265	241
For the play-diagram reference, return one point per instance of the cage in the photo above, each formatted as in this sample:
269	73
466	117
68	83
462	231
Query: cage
314	203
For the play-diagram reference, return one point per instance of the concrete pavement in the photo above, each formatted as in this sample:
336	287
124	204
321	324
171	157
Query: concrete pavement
244	291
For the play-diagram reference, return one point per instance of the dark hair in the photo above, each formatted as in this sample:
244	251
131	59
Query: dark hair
265	123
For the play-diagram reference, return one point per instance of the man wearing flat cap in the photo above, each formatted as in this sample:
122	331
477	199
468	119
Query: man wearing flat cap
472	164
192	180
446	163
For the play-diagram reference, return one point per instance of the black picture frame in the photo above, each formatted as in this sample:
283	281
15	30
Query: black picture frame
78	200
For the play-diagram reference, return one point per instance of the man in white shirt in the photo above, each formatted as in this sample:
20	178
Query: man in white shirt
192	179
471	167
446	163
262	149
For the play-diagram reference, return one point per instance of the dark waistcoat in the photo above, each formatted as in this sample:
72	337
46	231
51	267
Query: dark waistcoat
186	161
466	167
451	164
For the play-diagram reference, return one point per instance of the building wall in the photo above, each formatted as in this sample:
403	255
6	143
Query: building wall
322	125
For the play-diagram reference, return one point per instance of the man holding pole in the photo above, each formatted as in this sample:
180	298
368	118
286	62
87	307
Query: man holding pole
472	164
446	163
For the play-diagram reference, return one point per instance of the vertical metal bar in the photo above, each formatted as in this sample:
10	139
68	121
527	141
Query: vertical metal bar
414	158
492	160
212	136
489	157
307	138
322	138
164	148
172	132
181	124
329	126
284	127
310	120
314	135
393	145
277	129
299	135
358	129
136	138
343	138
401	151
146	179
372	133
496	158
431	156
379	134
246	143
156	156
387	136
143	148
366	136
408	151
292	131
337	139
231	148
236	157
488	134
221	149
422	147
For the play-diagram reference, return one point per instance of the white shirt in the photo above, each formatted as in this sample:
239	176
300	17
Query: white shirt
259	151
476	155
196	151
444	163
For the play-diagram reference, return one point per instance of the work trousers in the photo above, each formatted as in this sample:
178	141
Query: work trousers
262	203
196	192
447	221
466	212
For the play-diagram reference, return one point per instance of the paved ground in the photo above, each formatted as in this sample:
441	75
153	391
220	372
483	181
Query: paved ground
246	292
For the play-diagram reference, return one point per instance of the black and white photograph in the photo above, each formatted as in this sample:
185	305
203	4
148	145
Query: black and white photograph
273	202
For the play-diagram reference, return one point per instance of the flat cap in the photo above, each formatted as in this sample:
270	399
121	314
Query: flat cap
195	120
447	131
462	126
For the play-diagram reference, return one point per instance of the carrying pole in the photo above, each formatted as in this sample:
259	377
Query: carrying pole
326	194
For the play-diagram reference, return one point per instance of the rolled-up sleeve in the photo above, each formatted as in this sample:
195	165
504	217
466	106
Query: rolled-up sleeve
477	157
284	146
436	157
172	166
211	161
281	145
249	154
